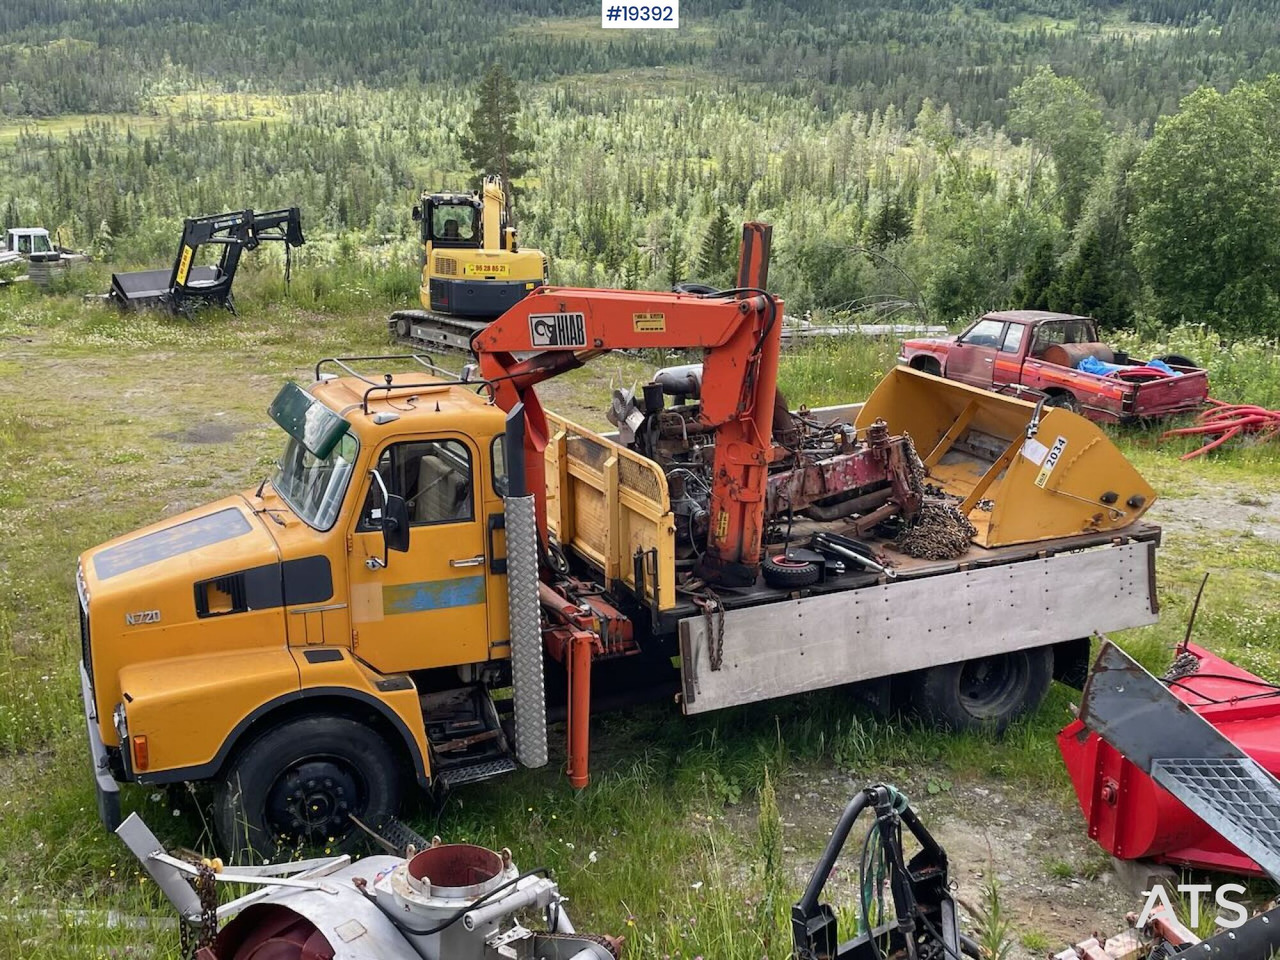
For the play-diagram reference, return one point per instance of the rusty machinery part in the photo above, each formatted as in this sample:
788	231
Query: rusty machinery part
713	613
821	470
1165	936
939	532
921	920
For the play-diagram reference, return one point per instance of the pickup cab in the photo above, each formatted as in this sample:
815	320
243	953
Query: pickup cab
1038	352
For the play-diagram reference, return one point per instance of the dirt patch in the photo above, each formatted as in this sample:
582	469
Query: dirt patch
211	431
1229	509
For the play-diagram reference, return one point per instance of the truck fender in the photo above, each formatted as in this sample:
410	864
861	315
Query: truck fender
336	672
343	683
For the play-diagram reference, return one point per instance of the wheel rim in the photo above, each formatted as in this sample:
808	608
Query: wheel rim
312	800
782	560
991	686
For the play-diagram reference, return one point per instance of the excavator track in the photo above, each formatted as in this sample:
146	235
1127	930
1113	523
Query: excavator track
427	330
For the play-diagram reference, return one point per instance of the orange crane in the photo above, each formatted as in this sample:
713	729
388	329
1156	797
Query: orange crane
741	331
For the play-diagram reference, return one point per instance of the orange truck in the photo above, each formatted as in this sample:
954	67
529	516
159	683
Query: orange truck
436	561
1041	354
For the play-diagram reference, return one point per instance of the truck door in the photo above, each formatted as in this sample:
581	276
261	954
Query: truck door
429	606
972	357
1008	365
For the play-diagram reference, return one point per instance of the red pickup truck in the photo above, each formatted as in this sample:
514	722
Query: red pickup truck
1036	352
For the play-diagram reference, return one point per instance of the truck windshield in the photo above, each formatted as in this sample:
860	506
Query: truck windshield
312	486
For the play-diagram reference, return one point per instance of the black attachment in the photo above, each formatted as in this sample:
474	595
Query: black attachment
923	925
185	284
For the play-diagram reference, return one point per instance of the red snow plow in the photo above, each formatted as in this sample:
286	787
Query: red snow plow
1179	770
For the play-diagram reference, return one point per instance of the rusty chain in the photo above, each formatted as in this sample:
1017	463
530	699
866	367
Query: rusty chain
940	532
193	938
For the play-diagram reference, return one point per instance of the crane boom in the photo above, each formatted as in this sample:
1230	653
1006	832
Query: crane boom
557	329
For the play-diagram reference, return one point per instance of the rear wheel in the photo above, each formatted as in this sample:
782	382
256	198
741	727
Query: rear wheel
987	692
1064	400
298	785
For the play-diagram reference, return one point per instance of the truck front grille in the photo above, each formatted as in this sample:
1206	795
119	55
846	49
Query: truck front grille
84	643
86	652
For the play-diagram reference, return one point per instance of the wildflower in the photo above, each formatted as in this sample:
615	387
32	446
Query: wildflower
697	885
591	857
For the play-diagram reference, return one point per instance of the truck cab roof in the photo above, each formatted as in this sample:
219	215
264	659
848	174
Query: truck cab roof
412	402
1030	316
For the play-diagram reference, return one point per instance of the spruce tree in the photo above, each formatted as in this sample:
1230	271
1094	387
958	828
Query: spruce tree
715	258
675	261
491	143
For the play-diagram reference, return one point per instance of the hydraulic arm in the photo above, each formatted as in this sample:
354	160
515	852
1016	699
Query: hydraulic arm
558	329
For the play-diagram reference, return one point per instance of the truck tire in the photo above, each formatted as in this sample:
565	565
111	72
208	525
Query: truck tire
295	785
1064	400
927	365
784	573
987	693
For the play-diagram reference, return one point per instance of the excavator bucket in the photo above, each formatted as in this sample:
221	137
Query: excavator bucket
1023	473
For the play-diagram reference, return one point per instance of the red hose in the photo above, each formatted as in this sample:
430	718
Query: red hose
1223	421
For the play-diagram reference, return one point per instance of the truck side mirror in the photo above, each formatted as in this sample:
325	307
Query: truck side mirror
395	524
417	214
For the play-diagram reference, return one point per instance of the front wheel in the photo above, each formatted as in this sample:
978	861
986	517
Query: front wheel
299	784
985	693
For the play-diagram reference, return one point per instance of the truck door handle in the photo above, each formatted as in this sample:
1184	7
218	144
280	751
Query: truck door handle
988	360
468	562
497	521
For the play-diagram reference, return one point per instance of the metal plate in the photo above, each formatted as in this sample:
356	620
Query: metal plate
791	646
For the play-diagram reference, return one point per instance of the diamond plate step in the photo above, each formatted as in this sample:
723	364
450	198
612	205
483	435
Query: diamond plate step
475	772
1237	797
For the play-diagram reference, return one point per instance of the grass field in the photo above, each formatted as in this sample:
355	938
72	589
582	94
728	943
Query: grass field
108	422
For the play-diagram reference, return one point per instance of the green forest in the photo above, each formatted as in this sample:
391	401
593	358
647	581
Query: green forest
1116	159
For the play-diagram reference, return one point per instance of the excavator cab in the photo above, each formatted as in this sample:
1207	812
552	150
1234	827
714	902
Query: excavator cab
451	220
473	270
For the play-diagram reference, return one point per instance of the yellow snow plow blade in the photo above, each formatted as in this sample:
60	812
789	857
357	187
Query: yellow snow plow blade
1067	478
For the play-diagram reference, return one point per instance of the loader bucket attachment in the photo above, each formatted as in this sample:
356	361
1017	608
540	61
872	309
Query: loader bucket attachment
1067	478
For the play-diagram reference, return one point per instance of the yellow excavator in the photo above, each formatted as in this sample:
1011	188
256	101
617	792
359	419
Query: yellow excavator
473	269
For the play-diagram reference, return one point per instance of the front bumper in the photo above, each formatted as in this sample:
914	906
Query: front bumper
105	785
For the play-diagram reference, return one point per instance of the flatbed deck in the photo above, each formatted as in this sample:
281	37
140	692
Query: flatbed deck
905	567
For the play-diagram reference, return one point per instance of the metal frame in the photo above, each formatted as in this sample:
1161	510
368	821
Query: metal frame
422	359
